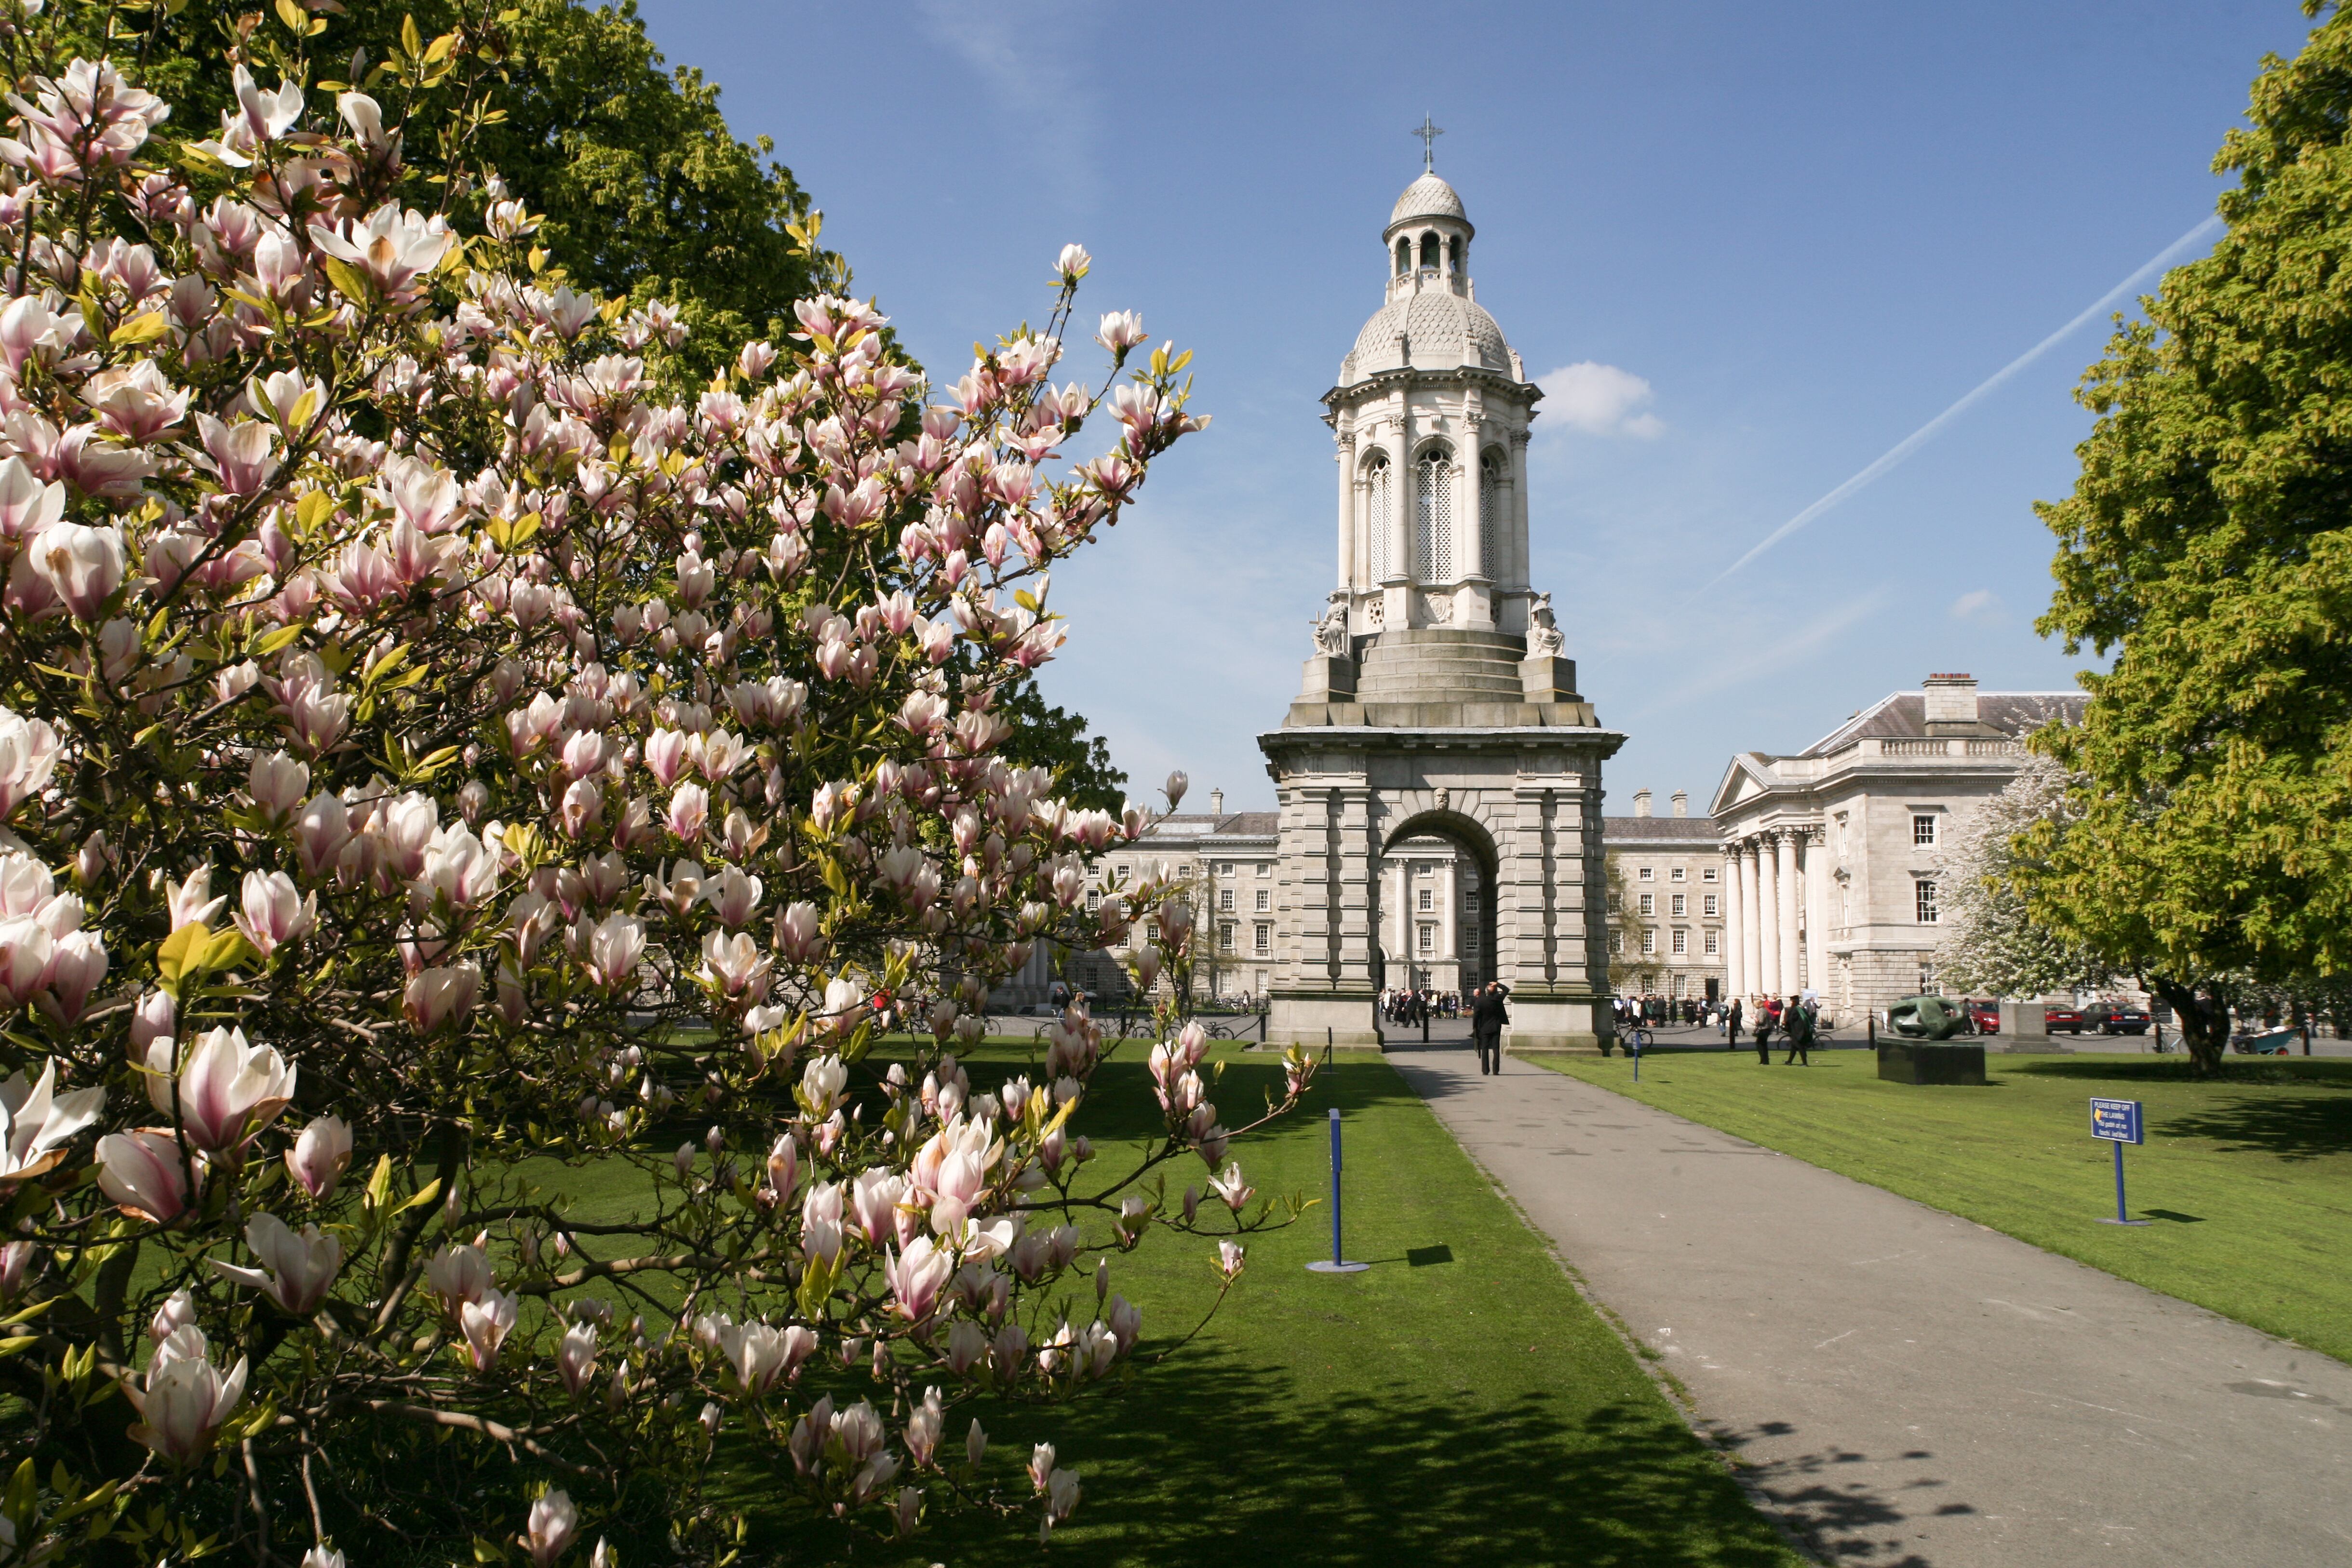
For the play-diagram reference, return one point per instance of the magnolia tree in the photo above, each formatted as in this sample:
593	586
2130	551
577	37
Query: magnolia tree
1991	941
430	760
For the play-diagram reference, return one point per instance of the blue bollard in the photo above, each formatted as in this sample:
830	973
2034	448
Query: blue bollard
1339	1263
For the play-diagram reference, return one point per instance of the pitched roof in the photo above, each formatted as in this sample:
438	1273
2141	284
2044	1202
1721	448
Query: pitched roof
1904	716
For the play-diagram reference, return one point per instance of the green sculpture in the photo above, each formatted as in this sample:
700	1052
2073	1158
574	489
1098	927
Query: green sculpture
1926	1017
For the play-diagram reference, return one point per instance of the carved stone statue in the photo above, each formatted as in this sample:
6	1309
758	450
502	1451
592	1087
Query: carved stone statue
1544	641
1331	632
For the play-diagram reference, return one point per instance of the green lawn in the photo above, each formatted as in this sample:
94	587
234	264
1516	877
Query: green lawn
1456	1404
2248	1178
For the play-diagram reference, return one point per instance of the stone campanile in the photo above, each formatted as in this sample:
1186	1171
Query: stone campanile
1438	703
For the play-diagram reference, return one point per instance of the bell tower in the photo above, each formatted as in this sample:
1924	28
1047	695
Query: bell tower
1438	703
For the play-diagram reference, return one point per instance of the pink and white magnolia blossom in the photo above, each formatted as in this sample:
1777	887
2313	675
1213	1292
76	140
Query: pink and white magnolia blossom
318	1159
224	1091
297	1269
274	912
35	1122
485	1322
575	1357
144	1174
183	1399
82	565
553	1524
614	945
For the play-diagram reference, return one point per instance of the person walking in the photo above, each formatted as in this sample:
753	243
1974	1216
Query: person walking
1731	1027
1797	1023
1768	1016
1487	1016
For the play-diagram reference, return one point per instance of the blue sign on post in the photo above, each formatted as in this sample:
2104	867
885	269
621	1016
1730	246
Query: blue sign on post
2118	1122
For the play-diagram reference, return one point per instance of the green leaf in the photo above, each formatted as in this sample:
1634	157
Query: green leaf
412	42
171	959
143	329
348	281
423	1196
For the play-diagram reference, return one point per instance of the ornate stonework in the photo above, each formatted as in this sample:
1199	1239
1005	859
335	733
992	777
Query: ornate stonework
1446	712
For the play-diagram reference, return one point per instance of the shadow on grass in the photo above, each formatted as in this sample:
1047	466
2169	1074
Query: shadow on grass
1213	1461
2317	1071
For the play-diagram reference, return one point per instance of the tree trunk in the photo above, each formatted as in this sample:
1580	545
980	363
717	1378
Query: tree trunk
2203	1015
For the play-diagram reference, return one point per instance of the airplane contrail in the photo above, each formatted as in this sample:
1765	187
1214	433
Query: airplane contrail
1919	437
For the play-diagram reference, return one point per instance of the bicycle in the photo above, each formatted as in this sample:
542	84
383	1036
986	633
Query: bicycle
1638	1039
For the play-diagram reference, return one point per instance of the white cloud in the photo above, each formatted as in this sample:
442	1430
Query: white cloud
1977	604
1599	400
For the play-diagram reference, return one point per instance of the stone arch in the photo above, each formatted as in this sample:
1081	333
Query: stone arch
1469	833
1403	256
1453	255
1432	252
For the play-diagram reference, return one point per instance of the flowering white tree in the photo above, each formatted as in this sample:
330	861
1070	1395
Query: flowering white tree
430	760
1991	943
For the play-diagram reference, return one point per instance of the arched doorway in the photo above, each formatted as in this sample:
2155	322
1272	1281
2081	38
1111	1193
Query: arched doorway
1433	904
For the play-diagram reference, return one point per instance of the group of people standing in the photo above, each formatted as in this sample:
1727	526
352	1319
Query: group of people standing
1410	1008
1796	1020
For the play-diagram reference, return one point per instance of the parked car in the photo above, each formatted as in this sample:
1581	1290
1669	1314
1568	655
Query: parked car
2115	1018
2056	1016
1984	1015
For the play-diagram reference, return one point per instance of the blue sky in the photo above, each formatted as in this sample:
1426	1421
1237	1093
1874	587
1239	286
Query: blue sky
1795	234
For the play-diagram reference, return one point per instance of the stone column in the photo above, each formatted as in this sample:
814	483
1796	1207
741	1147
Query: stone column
1350	514
1788	984
1510	541
1449	935
1751	928
1767	914
1735	974
1817	909
1397	587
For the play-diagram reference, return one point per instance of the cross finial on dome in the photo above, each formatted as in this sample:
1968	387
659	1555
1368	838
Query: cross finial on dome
1429	133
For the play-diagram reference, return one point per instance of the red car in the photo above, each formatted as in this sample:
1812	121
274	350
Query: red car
1984	1016
2055	1017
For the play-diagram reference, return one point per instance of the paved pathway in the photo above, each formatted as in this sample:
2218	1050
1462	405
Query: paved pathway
1910	1389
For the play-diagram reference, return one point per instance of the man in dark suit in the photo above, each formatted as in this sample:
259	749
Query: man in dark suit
1731	1027
1797	1025
1486	1022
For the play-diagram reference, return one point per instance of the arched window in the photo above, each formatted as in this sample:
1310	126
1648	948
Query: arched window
1433	518
1429	250
1404	257
1453	255
1490	514
1376	513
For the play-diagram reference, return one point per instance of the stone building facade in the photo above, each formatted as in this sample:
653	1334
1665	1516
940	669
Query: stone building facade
1833	857
1666	919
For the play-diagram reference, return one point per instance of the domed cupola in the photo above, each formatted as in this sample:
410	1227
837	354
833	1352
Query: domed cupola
1431	317
1431	414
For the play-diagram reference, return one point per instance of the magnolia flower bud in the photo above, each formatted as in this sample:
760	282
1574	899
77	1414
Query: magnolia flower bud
321	1155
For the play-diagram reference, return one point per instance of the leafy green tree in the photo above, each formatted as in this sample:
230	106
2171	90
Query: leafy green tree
2205	547
1053	737
645	191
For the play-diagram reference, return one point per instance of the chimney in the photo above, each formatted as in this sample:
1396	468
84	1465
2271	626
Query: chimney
1952	699
1681	802
1641	802
1216	802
